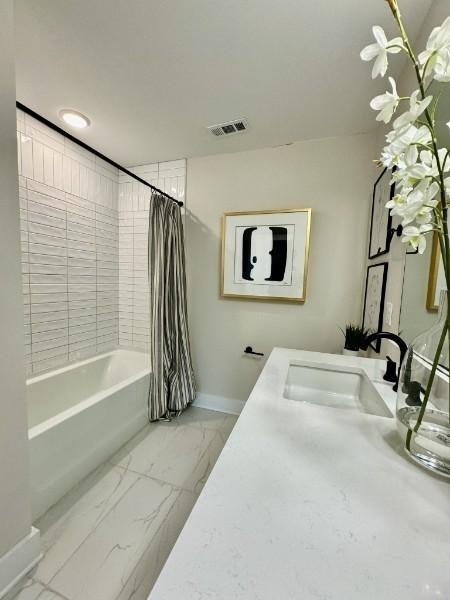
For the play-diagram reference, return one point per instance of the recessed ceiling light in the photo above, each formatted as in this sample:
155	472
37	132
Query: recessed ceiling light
74	118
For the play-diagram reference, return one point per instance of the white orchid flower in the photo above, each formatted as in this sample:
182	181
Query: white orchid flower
428	159
386	103
416	211
412	171
447	186
442	67
396	203
425	192
420	204
437	50
407	160
444	158
388	159
380	50
399	140
416	236
416	108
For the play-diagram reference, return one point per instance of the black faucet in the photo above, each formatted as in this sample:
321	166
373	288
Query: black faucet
388	336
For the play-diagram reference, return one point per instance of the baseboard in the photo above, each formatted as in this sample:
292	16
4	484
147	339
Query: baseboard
219	403
18	561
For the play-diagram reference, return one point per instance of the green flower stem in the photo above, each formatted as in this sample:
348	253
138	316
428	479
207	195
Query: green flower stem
396	12
444	241
446	250
429	387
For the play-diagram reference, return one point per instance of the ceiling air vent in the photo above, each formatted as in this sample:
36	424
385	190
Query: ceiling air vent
237	126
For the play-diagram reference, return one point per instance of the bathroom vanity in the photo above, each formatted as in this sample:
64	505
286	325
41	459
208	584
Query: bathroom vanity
313	497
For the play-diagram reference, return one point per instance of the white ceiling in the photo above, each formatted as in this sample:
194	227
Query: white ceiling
152	74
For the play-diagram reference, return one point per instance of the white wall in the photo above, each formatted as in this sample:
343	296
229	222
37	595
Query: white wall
332	176
15	515
69	235
134	200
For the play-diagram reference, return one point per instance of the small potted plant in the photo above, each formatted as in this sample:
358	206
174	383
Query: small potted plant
354	335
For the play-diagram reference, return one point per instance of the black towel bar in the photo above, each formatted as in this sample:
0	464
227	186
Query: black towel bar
249	350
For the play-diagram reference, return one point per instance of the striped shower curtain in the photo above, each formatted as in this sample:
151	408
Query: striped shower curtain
172	385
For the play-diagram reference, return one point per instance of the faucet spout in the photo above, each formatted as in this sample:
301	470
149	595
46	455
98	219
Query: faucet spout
388	336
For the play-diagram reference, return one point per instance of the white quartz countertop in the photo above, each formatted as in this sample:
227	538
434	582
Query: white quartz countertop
312	502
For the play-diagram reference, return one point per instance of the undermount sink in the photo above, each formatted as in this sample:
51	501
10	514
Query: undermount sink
327	385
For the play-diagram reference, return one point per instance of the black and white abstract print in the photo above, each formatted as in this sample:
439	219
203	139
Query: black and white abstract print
264	254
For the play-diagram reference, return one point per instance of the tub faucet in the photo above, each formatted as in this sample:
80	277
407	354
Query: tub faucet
388	336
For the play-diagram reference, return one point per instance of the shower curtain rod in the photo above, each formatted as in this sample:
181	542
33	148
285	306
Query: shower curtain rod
45	121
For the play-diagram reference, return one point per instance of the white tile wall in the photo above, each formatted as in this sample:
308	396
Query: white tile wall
84	247
134	200
70	248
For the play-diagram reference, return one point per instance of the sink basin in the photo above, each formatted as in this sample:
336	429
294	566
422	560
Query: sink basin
329	385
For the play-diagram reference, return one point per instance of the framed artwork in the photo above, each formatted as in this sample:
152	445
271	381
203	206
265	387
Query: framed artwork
374	299
265	254
381	220
436	277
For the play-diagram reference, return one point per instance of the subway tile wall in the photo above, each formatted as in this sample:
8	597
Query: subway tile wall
134	200
70	248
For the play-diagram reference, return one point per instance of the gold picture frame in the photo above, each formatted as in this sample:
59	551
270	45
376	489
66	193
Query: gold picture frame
305	255
435	263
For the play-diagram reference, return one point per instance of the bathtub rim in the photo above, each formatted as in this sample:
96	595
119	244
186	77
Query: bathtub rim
36	430
79	363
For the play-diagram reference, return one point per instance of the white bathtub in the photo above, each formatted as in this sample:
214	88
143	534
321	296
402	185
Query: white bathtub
78	416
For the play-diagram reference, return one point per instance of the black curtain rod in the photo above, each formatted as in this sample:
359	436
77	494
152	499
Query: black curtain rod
70	137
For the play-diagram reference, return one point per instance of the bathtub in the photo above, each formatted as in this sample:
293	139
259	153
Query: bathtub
78	416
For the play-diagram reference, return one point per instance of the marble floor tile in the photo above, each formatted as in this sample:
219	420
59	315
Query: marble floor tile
201	417
101	566
139	453
227	426
143	578
33	590
208	419
66	525
110	536
206	463
27	590
178	461
169	454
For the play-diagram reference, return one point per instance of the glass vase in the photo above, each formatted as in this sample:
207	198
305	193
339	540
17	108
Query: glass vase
423	396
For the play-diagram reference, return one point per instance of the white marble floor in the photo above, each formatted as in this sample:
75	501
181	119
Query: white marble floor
109	537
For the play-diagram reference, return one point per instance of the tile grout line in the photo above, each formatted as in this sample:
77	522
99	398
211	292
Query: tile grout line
176	488
48	588
216	431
